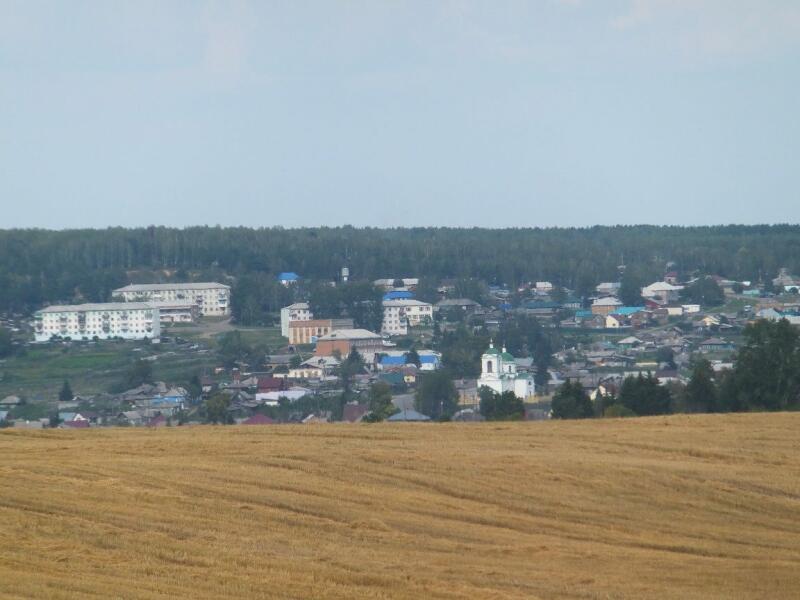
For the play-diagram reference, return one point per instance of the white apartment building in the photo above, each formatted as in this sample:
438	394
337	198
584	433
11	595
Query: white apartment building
299	311
212	299
399	315
178	311
126	320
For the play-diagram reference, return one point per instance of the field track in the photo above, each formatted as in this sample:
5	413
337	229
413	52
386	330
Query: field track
676	507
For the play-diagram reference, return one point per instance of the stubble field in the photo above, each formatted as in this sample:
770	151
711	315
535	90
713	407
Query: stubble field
678	507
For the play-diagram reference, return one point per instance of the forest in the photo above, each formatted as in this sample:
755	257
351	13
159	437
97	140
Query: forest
38	266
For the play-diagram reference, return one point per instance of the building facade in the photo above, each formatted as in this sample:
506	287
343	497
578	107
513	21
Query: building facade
299	311
308	332
499	373
399	315
179	311
212	299
126	320
341	342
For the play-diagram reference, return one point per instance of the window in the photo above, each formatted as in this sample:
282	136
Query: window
489	366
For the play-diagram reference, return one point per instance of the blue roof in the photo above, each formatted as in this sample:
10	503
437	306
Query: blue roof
428	359
409	415
506	306
288	276
583	314
388	361
542	304
628	310
398	295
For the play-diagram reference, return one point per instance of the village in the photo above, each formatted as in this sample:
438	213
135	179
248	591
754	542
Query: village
326	369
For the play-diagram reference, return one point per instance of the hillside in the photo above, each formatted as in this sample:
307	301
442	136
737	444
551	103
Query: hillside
678	507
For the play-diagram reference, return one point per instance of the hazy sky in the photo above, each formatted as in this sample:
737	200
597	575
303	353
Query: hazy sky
538	113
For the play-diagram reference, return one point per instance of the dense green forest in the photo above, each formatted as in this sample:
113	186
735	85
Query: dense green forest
40	266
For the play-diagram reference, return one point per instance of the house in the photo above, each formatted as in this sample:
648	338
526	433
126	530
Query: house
544	286
629	342
10	401
315	367
407	416
715	345
690	309
605	306
3	415
662	292
541	307
271	384
288	278
273	398
79	424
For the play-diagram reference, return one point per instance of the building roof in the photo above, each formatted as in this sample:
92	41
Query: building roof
350	334
298	306
662	286
607	301
408	415
170	303
97	307
288	276
258	419
404	302
456	302
398	295
714	342
630	340
390	361
159	287
626	311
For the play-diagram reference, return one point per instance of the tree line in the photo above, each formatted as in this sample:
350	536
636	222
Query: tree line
40	266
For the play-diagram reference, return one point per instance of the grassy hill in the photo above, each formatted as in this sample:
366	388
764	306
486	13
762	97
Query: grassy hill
677	507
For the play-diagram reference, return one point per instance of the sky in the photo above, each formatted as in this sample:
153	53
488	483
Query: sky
399	113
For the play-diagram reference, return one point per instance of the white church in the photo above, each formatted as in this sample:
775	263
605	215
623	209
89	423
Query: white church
499	372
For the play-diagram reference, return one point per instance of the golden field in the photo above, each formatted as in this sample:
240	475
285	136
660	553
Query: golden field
676	507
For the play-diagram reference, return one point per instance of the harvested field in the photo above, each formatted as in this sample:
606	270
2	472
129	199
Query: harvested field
675	507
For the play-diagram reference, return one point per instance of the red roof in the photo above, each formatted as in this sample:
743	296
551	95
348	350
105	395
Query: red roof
76	424
271	384
258	419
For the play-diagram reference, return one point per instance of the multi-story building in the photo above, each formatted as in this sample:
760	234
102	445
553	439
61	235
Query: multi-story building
126	320
307	332
212	299
177	311
399	315
299	311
